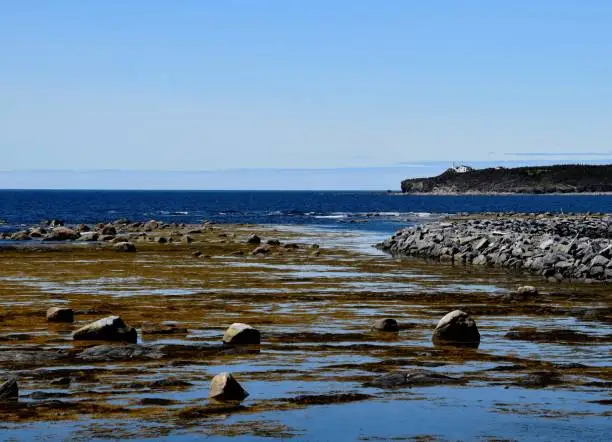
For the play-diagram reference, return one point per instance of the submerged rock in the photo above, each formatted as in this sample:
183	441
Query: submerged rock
415	378
239	333
224	387
9	390
386	324
108	352
539	380
111	328
60	314
457	328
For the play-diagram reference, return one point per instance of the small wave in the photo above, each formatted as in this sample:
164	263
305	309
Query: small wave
332	216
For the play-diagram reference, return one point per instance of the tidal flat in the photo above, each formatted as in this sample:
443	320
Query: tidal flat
543	369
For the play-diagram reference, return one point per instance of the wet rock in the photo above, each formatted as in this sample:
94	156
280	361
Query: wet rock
23	235
170	382
166	328
239	333
109	230
81	228
539	380
156	401
60	314
197	254
253	239
151	225
30	357
273	242
386	324
527	291
89	236
105	353
552	336
124	246
224	387
111	328
62	234
162	240
261	250
457	328
9	390
332	398
415	378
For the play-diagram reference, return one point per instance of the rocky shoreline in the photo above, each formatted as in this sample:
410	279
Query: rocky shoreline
557	247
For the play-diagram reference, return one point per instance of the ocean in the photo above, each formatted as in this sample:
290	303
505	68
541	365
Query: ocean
359	210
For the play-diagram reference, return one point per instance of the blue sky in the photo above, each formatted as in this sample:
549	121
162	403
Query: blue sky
217	85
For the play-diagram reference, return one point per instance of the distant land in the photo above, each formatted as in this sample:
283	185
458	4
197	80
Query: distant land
567	178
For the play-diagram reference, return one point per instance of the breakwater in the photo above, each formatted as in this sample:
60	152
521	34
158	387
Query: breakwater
557	247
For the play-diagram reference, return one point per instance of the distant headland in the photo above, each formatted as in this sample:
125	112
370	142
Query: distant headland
462	179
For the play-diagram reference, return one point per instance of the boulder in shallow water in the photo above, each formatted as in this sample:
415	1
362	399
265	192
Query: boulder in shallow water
386	324
457	328
124	246
9	390
239	333
224	387
261	250
111	328
253	239
60	314
527	290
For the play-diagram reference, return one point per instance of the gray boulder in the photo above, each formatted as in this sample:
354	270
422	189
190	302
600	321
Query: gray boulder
224	387
60	314
239	333
457	328
111	328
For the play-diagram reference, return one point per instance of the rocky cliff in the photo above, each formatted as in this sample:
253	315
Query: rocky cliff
541	179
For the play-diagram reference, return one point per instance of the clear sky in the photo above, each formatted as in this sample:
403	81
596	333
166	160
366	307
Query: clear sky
209	85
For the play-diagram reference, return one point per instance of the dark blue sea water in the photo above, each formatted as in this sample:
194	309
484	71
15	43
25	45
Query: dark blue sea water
373	211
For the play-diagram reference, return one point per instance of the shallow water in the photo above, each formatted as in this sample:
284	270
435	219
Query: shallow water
315	314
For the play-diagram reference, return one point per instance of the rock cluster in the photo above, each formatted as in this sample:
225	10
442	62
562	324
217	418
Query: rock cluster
556	247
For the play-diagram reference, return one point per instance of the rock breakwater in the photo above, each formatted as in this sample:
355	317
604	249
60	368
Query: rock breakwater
557	247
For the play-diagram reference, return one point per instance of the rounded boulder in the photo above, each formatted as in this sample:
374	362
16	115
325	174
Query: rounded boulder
239	333
457	328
